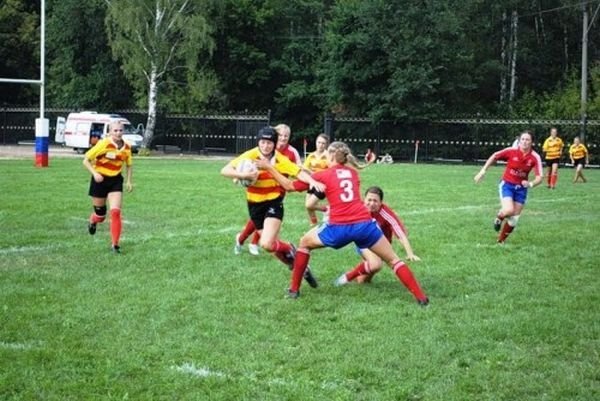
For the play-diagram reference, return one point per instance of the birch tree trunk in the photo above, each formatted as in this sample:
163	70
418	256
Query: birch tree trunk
513	56
503	60
152	101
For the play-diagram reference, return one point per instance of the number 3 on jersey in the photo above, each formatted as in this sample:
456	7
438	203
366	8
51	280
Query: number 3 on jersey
348	194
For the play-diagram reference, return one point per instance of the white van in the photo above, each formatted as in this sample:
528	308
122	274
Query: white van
81	131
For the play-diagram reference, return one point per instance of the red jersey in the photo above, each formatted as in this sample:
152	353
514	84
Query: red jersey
389	222
291	153
519	164
342	190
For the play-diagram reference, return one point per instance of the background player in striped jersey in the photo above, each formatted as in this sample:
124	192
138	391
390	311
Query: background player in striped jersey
316	161
514	185
553	147
391	225
105	161
265	196
579	158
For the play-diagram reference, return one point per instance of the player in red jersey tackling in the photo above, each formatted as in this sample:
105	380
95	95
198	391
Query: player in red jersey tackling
514	184
349	221
391	225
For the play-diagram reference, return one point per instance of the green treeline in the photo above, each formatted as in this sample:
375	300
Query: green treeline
384	59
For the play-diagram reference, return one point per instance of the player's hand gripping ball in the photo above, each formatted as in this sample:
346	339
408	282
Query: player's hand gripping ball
246	166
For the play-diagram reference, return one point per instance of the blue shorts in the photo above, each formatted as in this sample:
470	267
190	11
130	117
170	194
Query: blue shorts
364	234
517	193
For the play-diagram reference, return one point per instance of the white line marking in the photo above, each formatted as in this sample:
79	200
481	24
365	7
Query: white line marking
204	372
17	346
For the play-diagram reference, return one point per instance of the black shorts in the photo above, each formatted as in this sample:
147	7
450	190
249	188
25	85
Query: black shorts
108	185
577	162
260	211
550	162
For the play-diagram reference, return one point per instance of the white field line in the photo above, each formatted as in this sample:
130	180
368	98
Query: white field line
28	249
205	372
15	346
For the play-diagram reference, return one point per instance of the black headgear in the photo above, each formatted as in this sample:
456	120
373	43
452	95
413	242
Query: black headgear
267	133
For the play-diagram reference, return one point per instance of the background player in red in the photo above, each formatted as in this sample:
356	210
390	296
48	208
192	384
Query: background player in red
391	225
349	221
514	184
370	156
284	134
265	196
105	161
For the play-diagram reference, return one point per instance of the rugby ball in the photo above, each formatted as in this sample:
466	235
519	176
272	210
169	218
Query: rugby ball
246	166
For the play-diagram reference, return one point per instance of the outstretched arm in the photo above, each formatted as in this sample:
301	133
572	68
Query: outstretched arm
479	176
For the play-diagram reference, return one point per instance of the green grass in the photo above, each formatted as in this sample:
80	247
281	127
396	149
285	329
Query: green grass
178	317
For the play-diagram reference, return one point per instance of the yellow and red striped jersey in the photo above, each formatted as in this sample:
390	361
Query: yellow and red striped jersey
315	163
107	158
553	147
578	151
266	187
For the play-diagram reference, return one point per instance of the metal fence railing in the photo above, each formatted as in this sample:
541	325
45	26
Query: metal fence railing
444	140
454	140
214	133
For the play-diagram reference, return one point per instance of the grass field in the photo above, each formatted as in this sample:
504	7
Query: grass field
177	316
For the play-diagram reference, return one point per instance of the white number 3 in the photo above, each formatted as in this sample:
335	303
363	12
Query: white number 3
348	194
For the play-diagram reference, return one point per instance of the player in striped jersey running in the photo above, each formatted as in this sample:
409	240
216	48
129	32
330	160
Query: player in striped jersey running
579	158
105	161
553	147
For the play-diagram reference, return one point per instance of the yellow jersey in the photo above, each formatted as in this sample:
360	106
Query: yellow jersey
266	188
553	147
315	163
107	158
578	151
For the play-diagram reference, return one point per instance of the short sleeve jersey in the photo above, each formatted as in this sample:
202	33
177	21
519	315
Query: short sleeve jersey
342	190
291	153
390	223
519	164
108	158
553	147
315	163
266	187
578	151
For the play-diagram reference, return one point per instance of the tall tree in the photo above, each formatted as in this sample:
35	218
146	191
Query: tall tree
19	50
156	39
81	71
395	61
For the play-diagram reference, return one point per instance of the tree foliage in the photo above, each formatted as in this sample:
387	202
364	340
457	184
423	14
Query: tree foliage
386	59
163	41
19	50
81	71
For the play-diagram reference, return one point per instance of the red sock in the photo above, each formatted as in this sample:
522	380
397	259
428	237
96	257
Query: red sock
404	274
359	270
94	218
281	251
553	180
506	230
255	238
549	179
249	228
115	225
300	263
